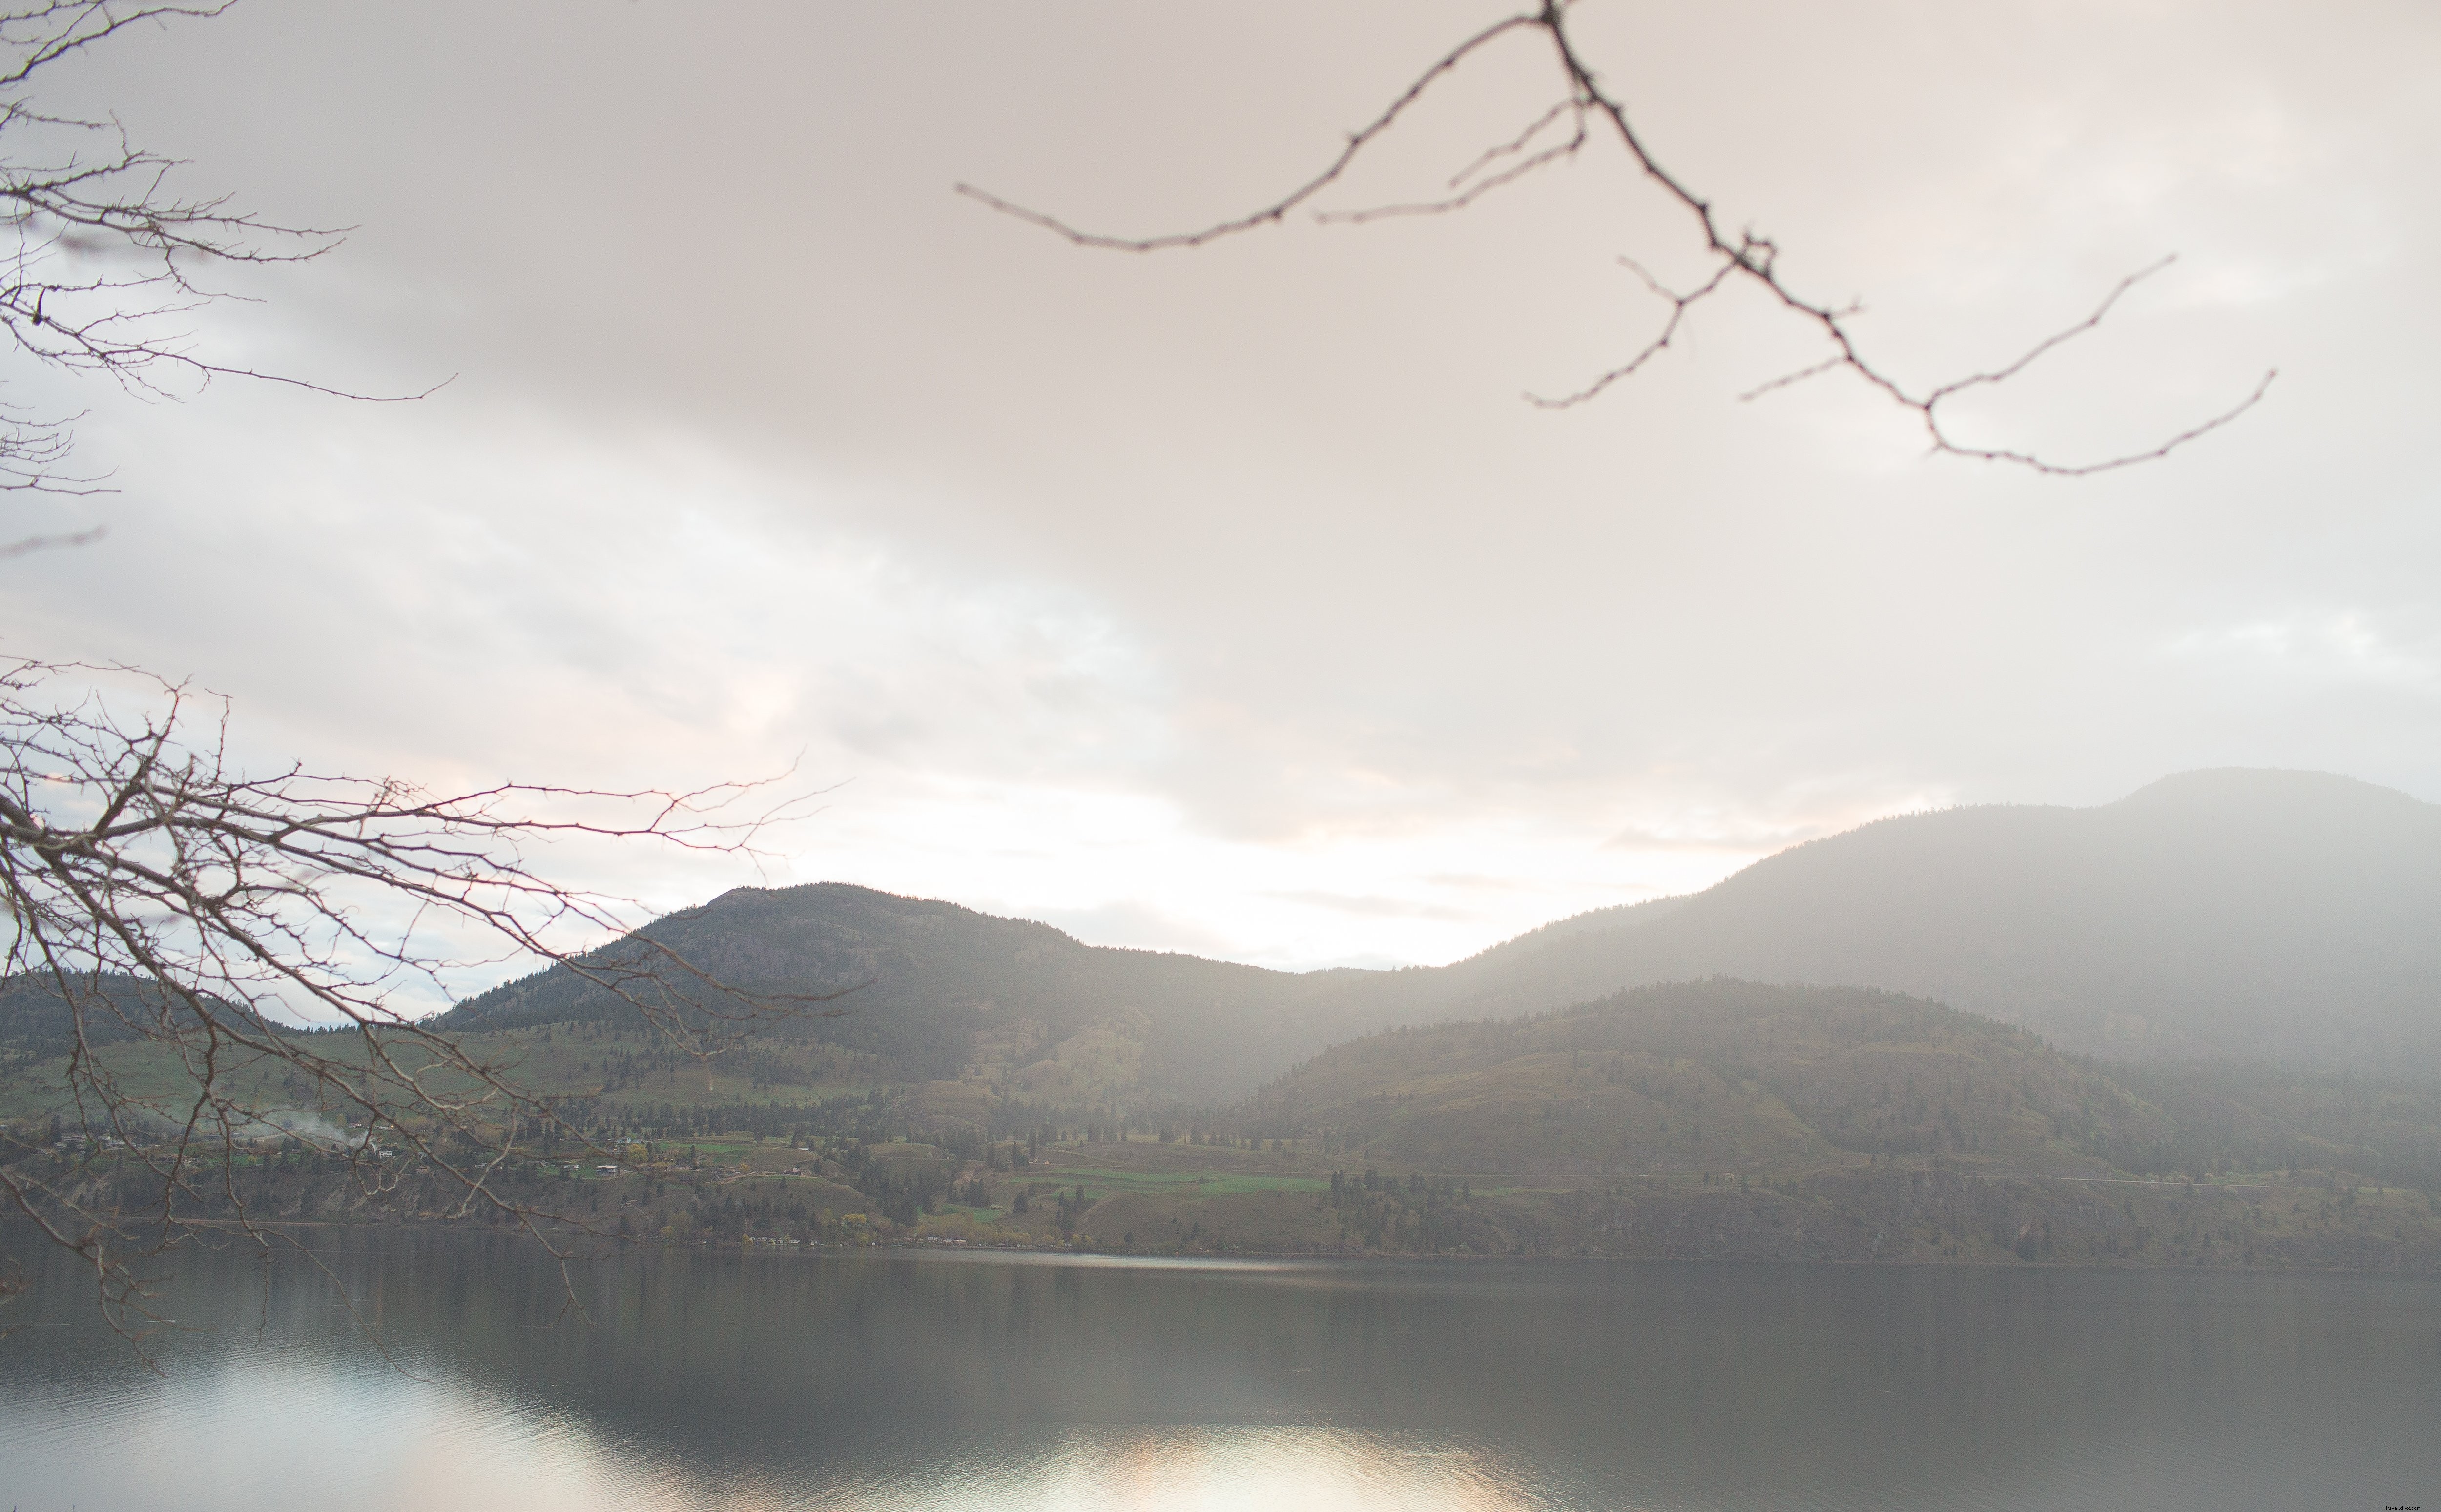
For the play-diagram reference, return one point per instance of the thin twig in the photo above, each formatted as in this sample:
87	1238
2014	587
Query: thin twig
1744	257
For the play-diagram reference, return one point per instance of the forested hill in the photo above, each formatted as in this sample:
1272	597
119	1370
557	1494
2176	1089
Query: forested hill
36	1023
2273	917
1716	1076
1737	1076
948	992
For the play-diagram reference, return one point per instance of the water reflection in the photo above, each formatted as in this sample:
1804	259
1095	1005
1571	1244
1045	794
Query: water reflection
756	1381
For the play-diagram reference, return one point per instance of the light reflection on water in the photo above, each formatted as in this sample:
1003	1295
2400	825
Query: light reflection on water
887	1383
308	1437
1291	1469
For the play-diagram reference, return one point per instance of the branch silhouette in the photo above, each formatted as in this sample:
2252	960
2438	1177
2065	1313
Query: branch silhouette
168	911
1741	257
177	928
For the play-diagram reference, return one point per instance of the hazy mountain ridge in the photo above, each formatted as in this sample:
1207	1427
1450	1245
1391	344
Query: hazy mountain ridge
2269	914
2261	915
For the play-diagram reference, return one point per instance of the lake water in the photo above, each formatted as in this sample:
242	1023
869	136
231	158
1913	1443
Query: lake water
900	1380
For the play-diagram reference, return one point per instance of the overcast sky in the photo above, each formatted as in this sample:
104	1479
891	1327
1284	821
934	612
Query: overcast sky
1234	601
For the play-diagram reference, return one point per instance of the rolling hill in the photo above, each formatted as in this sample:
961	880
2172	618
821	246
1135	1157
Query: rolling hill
1863	1048
1716	1076
944	993
2281	916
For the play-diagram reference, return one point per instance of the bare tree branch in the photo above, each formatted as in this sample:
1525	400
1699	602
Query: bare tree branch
1278	209
1573	108
221	923
1679	305
1743	256
99	254
195	926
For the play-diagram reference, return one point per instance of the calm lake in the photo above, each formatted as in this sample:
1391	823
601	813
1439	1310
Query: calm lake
1010	1382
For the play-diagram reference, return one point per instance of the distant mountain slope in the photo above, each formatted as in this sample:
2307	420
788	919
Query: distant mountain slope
2270	914
954	992
36	1024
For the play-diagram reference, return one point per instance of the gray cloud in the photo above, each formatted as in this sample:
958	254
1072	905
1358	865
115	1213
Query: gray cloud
1227	569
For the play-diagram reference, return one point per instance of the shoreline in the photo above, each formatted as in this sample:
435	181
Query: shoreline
613	1249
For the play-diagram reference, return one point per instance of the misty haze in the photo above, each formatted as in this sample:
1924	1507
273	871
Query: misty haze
1266	756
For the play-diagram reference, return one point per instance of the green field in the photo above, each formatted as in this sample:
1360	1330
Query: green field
1099	1178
